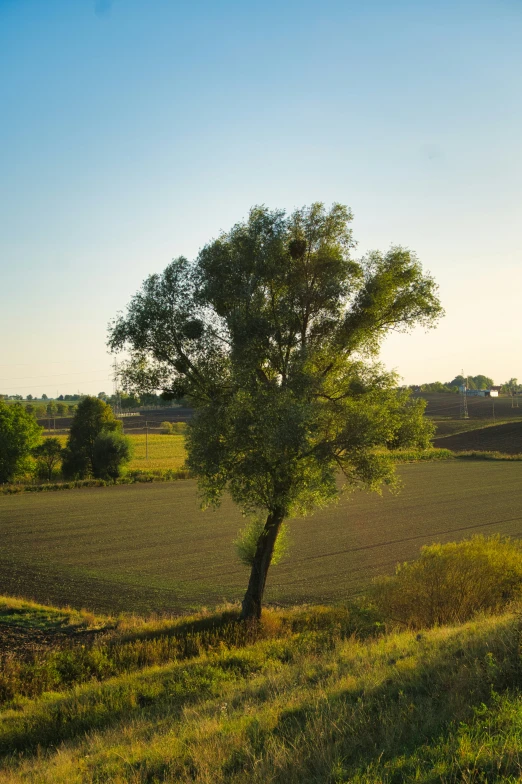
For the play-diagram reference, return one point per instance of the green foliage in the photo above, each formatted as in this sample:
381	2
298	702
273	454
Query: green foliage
48	455
452	582
173	428
112	450
248	538
19	435
91	418
272	335
472	382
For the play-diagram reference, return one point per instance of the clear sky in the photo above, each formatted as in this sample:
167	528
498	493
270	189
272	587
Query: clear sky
133	131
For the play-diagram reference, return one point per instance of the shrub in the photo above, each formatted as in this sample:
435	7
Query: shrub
246	542
111	451
450	583
173	428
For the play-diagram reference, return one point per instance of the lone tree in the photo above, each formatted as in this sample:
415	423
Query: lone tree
272	335
19	435
92	417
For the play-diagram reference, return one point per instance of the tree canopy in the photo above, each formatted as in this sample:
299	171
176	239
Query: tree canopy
92	417
19	435
272	334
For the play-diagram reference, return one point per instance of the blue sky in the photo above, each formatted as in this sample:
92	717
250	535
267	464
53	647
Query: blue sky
133	131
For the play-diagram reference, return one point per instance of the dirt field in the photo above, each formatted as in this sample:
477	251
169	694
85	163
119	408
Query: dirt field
442	406
148	547
505	438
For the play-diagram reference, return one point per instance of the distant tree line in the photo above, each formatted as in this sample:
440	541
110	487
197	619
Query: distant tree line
65	405
511	387
472	382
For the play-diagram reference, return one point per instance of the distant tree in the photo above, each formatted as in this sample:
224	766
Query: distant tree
61	409
16	397
29	397
92	417
44	397
112	450
48	454
60	397
40	411
270	334
19	435
511	386
30	408
102	396
51	408
129	401
483	382
71	409
472	382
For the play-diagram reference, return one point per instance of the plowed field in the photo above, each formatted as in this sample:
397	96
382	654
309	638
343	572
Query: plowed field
148	547
505	438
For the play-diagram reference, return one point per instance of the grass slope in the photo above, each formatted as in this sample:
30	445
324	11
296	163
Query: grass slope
147	548
314	696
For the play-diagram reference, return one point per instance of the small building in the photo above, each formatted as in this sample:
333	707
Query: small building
493	392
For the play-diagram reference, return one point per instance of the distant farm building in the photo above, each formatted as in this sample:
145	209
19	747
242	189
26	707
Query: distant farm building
493	392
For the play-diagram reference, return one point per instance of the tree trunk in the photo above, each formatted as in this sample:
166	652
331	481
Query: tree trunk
252	603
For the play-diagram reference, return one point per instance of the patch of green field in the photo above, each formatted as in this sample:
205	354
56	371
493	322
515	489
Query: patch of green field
163	451
148	547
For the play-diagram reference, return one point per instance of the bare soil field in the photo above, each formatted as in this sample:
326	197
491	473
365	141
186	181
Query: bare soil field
442	406
505	438
148	547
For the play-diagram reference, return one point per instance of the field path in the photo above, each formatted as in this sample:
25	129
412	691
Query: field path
148	547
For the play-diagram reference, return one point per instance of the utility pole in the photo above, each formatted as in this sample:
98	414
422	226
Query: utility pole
463	398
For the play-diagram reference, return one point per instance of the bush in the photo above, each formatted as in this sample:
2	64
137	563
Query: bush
173	428
111	451
450	583
246	542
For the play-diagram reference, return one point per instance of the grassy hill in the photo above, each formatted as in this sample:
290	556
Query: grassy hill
312	696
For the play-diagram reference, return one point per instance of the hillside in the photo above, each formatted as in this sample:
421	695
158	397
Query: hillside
314	695
505	438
